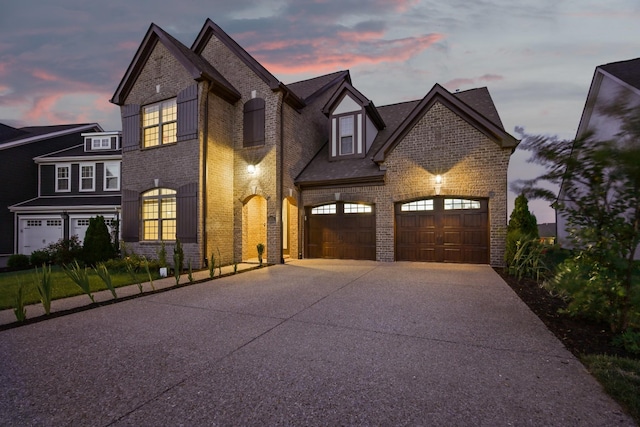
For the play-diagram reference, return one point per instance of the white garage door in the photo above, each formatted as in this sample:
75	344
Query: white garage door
36	234
79	228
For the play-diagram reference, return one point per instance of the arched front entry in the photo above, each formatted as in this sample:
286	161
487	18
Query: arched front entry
443	229
290	228
254	227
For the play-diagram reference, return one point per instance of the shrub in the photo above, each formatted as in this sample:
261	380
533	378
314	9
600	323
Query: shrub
39	257
65	251
20	311
18	261
97	242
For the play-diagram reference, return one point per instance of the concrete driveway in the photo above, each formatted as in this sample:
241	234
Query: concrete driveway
312	342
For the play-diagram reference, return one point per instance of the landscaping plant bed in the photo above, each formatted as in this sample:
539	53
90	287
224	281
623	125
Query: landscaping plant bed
580	336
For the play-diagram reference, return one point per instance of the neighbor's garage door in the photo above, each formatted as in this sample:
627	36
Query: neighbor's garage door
36	234
443	230
341	231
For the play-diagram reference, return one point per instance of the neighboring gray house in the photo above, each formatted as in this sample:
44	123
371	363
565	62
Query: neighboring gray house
19	173
611	82
74	184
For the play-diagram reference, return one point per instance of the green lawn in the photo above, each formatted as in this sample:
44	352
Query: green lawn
62	285
620	378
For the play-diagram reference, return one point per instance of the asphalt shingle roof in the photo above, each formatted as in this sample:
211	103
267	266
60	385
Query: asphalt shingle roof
628	71
306	88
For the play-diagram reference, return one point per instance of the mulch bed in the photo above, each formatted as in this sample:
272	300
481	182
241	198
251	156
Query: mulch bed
580	336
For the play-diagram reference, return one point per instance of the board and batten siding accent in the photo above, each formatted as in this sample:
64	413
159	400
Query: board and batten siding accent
130	127
187	104
187	213
130	216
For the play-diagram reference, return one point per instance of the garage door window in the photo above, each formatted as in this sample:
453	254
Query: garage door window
356	208
324	209
451	204
418	205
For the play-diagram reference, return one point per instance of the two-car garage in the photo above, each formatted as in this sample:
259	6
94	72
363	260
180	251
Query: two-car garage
437	229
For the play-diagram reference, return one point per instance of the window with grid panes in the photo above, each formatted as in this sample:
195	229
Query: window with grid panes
159	125
159	214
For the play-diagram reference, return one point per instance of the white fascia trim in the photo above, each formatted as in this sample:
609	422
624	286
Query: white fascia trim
77	159
47	136
68	209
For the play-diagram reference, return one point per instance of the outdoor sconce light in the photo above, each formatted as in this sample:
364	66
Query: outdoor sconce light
438	184
251	169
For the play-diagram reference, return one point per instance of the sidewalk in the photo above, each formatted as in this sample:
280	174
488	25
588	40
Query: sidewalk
59	306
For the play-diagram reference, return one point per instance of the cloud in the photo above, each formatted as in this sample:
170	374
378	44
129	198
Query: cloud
457	83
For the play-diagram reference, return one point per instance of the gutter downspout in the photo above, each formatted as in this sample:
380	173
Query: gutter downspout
281	178
205	173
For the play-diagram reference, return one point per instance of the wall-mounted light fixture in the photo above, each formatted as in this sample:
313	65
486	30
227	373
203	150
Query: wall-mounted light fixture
438	186
251	169
156	182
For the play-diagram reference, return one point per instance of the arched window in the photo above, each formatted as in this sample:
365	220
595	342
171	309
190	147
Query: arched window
253	134
159	214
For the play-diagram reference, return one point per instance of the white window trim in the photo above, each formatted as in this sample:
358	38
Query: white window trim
93	177
97	143
104	184
68	178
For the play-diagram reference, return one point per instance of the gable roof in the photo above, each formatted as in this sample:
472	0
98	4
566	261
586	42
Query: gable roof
480	100
338	96
309	89
472	116
627	71
197	67
7	133
39	133
210	29
321	171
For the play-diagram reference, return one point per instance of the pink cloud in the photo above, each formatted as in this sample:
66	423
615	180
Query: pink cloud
43	109
457	83
43	75
329	54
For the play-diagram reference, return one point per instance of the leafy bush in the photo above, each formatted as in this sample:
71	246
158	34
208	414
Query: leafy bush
39	257
629	340
97	242
65	251
595	291
18	261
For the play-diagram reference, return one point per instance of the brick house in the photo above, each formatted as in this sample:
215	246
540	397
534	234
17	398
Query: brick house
220	154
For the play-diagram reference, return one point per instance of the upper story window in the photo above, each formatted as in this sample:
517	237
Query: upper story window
159	214
159	123
63	178
111	176
347	133
87	177
100	143
253	123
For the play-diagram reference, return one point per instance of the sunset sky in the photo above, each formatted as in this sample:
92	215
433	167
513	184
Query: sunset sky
61	61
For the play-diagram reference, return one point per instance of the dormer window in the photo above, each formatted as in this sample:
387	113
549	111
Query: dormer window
354	123
347	134
100	143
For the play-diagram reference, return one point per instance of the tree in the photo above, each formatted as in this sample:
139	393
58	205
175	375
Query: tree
600	198
97	242
521	219
523	226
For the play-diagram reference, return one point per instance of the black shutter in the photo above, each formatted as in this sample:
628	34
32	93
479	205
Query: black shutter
253	122
187	213
130	216
130	127
187	104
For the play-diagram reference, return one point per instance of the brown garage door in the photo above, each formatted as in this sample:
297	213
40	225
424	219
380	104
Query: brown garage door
443	230
341	231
